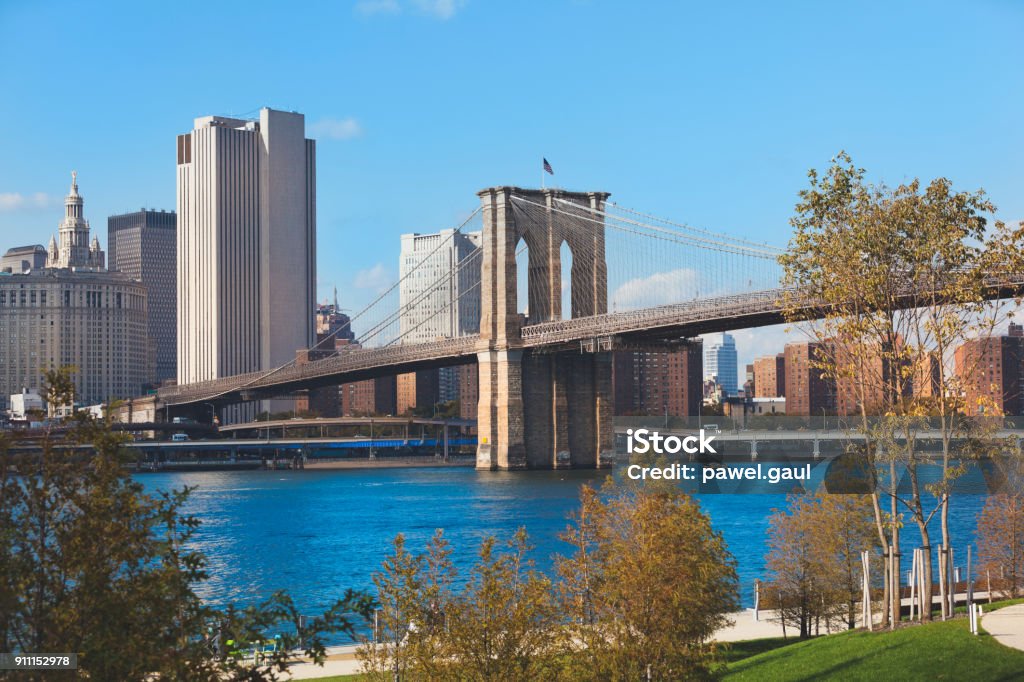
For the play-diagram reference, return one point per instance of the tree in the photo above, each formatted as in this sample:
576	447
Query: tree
648	585
501	625
90	563
900	278
415	592
814	557
1001	539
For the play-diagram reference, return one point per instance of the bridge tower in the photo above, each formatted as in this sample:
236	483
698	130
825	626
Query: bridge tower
541	409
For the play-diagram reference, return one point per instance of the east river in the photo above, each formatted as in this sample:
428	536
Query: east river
316	532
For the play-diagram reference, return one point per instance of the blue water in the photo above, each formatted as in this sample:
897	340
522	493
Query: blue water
316	532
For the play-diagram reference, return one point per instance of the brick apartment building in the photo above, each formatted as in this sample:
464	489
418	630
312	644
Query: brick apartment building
770	376
990	371
659	382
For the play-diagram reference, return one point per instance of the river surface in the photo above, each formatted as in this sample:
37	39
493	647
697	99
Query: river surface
316	532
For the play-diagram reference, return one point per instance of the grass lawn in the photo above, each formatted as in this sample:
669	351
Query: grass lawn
737	651
936	651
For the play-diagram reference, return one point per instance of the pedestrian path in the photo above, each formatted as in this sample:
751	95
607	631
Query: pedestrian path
1006	625
341	660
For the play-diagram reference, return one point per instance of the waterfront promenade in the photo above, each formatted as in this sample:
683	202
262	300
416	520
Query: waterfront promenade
1006	625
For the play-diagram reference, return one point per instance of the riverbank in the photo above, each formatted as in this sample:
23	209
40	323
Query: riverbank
342	660
390	463
948	646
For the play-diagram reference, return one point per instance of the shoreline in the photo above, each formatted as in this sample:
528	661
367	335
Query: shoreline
390	463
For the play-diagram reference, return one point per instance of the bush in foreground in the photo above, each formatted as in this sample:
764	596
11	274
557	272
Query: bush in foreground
647	586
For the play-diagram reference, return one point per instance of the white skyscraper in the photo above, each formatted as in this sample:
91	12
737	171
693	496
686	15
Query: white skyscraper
246	244
437	298
720	361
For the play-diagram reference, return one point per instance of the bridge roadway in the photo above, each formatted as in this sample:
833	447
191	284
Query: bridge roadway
772	442
324	422
793	434
269	444
688	319
597	332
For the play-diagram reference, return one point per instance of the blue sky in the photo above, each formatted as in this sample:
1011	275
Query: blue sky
709	113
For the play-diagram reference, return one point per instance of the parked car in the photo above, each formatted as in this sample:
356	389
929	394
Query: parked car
178	437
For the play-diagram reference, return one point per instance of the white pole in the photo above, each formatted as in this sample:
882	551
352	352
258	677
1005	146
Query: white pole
952	583
943	577
921	591
912	582
757	599
866	598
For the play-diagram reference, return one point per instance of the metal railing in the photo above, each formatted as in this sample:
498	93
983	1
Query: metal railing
698	311
345	361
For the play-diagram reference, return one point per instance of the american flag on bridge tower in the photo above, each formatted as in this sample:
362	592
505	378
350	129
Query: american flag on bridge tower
547	167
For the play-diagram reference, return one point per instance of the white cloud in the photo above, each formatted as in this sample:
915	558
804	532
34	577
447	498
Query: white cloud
336	128
368	7
442	9
376	278
660	288
14	201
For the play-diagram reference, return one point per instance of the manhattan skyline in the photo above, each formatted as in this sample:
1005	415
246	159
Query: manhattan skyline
708	116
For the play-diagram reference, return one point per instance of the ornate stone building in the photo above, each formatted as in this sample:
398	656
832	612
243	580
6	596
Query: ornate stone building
74	313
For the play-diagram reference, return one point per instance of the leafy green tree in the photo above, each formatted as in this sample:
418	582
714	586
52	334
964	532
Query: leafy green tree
503	624
648	585
900	278
499	626
92	564
415	592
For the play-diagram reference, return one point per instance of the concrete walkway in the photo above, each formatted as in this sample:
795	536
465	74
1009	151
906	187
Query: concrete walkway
341	660
1006	625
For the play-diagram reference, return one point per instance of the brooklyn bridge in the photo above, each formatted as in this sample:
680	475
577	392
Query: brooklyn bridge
543	345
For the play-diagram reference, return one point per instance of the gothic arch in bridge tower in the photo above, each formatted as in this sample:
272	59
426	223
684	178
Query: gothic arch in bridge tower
538	409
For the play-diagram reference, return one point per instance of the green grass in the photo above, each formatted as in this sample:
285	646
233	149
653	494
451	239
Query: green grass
737	651
936	651
999	604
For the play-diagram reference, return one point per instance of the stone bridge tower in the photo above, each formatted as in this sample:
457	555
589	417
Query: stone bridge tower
549	408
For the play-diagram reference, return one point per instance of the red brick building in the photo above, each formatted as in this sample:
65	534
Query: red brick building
808	392
373	397
770	376
659	382
990	372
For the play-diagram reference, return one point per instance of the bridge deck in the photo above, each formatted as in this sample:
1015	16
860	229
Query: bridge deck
691	318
